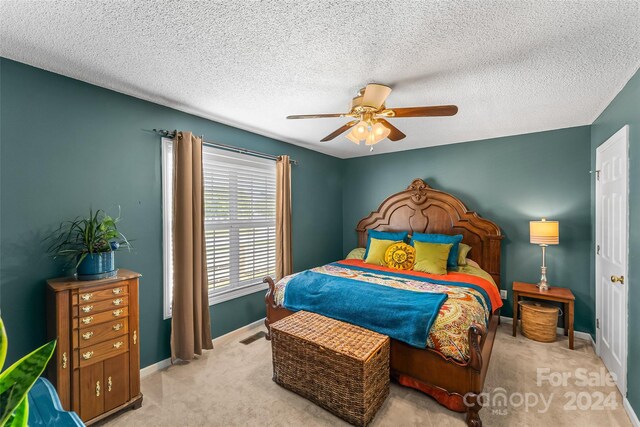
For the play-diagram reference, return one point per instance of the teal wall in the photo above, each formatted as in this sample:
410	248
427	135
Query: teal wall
509	180
624	110
68	145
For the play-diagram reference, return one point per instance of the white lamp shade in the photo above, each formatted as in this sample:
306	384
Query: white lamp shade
544	232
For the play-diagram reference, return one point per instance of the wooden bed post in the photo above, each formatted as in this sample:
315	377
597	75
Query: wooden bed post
472	401
273	312
476	335
270	302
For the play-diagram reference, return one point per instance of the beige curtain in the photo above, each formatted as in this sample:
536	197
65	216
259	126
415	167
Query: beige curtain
284	261
190	324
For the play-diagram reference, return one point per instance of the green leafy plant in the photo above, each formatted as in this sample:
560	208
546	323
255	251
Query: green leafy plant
18	379
83	236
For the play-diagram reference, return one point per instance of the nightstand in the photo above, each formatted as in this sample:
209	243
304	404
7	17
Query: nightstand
562	295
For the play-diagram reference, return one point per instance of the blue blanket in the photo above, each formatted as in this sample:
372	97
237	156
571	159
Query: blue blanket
404	315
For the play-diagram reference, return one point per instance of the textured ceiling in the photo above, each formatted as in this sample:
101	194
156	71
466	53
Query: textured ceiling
512	67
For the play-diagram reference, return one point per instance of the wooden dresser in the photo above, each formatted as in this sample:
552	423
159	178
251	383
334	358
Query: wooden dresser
96	367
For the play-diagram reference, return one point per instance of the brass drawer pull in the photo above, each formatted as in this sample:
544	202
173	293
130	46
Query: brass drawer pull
118	344
117	313
87	320
87	308
64	360
98	388
109	384
86	297
87	335
117	327
135	337
117	291
87	355
117	301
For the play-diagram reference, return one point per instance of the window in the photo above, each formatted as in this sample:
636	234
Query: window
240	222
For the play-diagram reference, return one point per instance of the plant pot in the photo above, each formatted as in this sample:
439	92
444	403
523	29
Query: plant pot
96	264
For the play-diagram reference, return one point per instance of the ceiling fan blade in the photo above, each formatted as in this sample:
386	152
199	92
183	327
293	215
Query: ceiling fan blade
395	134
316	116
439	110
340	130
375	95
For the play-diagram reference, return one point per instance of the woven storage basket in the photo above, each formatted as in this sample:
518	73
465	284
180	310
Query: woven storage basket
539	321
340	367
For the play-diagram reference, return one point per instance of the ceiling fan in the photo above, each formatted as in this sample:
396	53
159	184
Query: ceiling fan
370	114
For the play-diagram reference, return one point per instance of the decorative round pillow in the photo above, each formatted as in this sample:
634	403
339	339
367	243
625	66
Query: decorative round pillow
400	256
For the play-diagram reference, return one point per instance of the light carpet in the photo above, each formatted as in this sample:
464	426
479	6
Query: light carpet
231	386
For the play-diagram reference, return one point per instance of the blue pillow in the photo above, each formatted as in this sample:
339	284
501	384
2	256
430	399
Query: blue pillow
400	236
452	261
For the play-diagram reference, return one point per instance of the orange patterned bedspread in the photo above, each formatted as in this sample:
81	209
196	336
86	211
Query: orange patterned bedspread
464	306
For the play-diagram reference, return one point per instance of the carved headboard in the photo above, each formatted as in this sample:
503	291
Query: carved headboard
422	209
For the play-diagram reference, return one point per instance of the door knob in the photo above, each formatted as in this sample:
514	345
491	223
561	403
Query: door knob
619	279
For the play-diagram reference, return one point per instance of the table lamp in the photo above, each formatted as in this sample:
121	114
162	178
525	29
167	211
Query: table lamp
544	233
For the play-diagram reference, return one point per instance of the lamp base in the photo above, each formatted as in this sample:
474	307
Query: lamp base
542	285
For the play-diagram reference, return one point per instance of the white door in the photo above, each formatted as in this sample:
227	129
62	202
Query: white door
611	254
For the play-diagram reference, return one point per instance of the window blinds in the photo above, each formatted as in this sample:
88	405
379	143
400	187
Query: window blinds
240	219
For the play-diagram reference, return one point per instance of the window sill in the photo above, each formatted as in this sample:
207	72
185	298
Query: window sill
230	294
237	293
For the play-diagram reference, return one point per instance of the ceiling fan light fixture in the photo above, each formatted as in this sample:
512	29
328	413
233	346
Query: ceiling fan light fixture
361	130
381	131
353	138
377	134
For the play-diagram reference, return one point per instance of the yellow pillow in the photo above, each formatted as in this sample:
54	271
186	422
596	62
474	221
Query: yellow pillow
377	248
400	256
463	251
357	253
432	257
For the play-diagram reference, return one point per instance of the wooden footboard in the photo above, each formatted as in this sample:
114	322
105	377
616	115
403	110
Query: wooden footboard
453	384
274	312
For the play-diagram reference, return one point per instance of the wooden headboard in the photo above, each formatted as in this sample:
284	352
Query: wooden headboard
422	209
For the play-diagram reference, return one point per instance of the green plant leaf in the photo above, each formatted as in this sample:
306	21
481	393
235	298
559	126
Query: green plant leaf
3	344
74	239
19	378
20	415
5	398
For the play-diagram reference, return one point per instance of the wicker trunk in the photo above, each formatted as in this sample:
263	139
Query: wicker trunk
339	366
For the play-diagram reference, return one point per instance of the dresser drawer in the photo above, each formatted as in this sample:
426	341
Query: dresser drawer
95	307
90	355
98	333
87	296
105	316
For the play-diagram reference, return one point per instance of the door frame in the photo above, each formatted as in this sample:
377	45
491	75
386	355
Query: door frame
623	134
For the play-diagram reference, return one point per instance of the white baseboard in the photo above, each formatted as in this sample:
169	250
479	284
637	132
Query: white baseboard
577	334
236	332
163	364
631	413
158	366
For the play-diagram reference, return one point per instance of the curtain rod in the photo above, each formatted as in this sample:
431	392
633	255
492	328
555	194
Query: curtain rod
172	134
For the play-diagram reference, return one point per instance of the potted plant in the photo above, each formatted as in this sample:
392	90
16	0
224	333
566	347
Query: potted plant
90	243
17	380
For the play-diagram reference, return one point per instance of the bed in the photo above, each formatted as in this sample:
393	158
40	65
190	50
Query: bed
452	374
